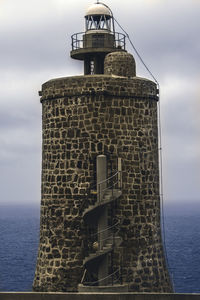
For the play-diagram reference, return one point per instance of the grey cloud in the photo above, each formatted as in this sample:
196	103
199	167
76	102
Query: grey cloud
20	180
181	185
179	120
13	118
16	142
35	45
167	36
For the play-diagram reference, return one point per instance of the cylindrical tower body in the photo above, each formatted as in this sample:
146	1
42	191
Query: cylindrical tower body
83	117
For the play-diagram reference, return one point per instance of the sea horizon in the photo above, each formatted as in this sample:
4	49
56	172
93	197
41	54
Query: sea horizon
19	231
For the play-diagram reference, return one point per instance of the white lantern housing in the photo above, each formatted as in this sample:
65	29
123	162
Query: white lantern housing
98	40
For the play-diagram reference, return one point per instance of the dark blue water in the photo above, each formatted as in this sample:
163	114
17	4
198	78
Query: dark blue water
19	236
182	236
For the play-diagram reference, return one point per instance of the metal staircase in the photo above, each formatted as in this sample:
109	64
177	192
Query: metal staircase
104	196
107	245
99	274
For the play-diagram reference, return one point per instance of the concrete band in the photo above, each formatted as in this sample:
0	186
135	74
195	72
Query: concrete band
92	296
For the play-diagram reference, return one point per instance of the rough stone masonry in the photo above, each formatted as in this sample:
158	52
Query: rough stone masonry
114	114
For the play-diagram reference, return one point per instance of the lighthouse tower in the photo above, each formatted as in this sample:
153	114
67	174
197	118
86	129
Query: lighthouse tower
100	206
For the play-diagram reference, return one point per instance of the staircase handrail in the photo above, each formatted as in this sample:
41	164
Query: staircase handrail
114	225
105	180
109	237
86	193
110	187
101	189
102	279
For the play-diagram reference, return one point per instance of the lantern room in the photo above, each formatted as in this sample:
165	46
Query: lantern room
98	17
98	39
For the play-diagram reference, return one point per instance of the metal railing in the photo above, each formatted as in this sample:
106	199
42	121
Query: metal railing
91	191
107	229
78	41
107	235
118	279
112	183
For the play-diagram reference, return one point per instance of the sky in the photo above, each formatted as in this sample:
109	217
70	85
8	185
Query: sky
35	42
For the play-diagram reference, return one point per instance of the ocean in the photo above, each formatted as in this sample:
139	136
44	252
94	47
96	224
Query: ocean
19	235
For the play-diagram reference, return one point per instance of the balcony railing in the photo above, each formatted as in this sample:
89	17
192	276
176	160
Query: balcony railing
79	40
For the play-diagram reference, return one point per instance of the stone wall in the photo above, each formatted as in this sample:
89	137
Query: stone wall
120	64
84	116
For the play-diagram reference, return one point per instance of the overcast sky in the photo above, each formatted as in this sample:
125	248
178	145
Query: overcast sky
35	41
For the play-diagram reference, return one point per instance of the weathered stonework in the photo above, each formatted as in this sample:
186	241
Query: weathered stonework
84	116
120	63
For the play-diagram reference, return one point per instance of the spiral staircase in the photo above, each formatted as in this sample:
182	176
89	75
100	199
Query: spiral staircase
99	275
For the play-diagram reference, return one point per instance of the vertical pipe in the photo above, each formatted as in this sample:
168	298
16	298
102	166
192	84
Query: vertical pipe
101	175
103	217
119	167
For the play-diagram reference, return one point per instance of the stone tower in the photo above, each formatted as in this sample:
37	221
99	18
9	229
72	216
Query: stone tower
100	207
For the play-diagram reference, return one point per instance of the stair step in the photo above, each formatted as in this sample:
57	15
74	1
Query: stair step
109	245
107	248
108	197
